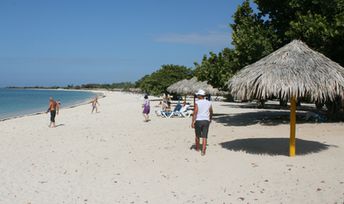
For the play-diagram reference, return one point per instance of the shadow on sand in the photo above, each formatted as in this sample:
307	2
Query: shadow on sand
274	146
269	118
268	106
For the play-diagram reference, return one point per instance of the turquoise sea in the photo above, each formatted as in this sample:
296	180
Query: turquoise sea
18	102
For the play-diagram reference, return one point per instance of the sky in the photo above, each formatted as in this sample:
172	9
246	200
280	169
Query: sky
62	42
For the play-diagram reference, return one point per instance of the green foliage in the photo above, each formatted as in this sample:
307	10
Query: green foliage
157	82
121	85
252	38
313	28
216	69
318	23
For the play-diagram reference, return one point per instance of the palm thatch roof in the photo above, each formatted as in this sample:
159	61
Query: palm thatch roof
182	87
173	87
191	86
186	87
206	87
294	70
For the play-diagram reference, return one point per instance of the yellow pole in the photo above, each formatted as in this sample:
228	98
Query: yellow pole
292	126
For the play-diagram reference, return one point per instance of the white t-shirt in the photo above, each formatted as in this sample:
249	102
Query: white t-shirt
203	109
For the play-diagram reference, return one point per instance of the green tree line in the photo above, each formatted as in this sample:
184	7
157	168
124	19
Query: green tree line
121	85
157	82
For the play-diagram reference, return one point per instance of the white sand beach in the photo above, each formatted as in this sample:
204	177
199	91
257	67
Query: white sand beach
115	157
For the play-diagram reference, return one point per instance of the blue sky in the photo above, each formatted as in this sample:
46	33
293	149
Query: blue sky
61	42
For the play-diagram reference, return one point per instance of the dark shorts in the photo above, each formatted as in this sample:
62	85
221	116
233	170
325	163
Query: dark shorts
146	110
52	115
201	128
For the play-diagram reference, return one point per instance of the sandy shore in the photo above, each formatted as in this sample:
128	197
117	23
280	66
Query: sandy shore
115	157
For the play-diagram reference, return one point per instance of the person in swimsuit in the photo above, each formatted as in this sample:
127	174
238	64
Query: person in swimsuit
54	110
95	104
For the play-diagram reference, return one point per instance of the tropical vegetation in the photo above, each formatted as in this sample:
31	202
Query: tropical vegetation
255	34
157	82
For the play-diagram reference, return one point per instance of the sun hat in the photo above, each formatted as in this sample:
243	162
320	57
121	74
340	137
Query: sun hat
200	93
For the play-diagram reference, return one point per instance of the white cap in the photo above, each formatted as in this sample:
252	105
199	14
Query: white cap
200	93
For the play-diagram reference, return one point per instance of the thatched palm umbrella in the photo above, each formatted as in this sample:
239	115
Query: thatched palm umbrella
186	87
206	87
189	87
174	87
183	87
289	73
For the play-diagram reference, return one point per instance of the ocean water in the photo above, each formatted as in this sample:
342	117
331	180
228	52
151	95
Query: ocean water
18	102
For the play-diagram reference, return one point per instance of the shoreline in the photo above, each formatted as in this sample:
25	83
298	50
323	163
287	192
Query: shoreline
99	93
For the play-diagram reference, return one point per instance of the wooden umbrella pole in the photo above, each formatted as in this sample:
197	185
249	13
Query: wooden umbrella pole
292	126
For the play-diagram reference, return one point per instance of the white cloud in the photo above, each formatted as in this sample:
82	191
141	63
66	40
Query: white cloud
208	39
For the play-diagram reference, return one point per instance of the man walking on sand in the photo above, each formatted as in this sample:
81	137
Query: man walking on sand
54	110
203	113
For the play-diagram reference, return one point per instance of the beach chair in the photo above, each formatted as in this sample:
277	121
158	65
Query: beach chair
182	112
185	111
166	114
170	114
